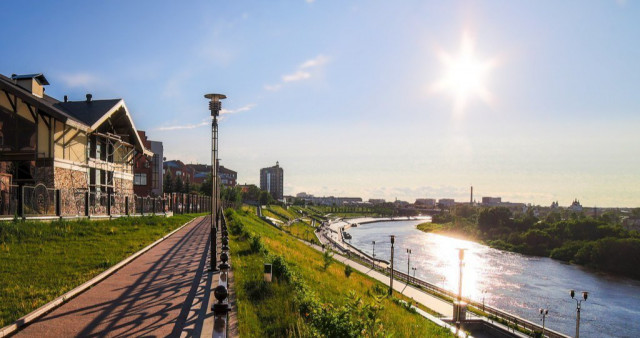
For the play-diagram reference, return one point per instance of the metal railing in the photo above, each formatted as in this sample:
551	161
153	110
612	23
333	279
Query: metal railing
221	292
8	199
40	201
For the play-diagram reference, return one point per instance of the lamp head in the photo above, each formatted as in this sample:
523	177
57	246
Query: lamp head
214	104
585	294
393	239
461	253
215	97
573	293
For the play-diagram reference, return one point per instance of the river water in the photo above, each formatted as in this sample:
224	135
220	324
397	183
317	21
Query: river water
512	282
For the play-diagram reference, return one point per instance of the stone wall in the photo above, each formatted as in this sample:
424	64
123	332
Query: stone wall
72	185
44	175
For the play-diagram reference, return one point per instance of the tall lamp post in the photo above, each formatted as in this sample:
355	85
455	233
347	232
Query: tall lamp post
543	313
408	262
414	273
214	106
585	294
461	258
373	243
393	239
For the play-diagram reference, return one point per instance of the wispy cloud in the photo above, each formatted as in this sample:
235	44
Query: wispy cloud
239	110
273	88
315	62
79	79
204	122
297	76
207	121
304	72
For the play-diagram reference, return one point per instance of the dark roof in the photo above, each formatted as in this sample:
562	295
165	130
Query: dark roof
88	112
46	103
40	77
226	170
200	174
173	164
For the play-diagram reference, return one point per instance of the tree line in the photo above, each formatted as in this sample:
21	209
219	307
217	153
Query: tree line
599	242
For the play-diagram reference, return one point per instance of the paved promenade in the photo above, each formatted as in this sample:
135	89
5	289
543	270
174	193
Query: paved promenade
161	293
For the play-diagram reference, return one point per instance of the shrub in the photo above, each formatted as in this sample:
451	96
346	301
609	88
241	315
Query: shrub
280	269
327	258
256	244
348	270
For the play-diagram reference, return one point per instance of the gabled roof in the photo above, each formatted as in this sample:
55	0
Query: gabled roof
85	115
88	112
95	112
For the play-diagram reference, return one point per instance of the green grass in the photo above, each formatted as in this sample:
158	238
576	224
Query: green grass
303	231
40	261
282	211
274	309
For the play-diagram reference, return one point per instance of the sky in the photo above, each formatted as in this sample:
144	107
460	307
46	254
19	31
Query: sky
533	101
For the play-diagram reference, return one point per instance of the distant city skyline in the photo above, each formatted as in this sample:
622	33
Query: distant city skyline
530	101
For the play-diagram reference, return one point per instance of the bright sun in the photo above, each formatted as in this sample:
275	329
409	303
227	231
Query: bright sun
465	75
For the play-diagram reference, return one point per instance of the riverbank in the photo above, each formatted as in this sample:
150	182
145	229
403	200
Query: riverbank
586	242
515	283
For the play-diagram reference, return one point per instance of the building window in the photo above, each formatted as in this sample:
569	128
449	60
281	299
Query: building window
140	179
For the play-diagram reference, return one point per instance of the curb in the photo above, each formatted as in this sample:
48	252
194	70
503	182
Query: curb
41	311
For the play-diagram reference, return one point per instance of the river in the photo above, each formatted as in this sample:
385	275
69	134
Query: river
516	283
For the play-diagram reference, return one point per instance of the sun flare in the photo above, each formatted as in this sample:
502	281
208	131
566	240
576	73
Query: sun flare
465	75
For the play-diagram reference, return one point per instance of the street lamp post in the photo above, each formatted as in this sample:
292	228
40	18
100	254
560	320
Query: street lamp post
543	313
373	243
483	294
414	273
408	262
393	239
461	258
585	294
214	106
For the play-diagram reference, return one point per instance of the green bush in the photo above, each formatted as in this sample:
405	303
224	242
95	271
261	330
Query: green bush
255	243
327	258
348	270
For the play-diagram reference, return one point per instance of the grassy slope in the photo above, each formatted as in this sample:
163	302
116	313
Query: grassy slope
40	261
260	318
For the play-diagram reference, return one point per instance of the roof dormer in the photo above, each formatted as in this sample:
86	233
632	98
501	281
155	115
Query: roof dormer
34	83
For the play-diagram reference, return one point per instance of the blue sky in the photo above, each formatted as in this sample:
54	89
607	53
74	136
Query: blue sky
341	92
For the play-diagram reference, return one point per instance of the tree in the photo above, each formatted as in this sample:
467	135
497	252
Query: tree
493	218
265	198
252	193
206	187
168	183
187	186
178	184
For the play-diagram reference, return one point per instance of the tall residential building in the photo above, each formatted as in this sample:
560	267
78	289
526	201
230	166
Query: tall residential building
272	180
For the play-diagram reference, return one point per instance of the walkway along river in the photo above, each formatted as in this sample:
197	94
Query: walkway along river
512	282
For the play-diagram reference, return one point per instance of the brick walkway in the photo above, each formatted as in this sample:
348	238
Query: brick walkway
151	296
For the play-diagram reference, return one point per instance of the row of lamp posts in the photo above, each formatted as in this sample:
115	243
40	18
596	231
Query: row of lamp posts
457	308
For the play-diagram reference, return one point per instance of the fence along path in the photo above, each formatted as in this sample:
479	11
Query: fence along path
40	201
